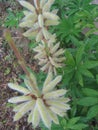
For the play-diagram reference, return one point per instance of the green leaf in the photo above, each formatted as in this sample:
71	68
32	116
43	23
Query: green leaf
72	121
87	73
79	77
75	41
56	127
73	110
93	111
67	78
90	92
79	54
69	58
91	64
88	101
79	126
63	122
80	80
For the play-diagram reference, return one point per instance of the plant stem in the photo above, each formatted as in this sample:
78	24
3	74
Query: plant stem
21	61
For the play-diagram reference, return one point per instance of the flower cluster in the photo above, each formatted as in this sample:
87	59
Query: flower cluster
38	18
50	56
45	104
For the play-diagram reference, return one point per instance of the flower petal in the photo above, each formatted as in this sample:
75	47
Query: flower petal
40	20
54	49
43	113
63	100
53	116
39	36
18	88
51	16
52	84
61	59
18	107
28	23
59	52
27	107
27	5
45	33
36	117
31	114
19	99
42	2
55	94
30	33
48	79
28	85
30	17
45	67
57	111
47	6
57	65
59	105
51	22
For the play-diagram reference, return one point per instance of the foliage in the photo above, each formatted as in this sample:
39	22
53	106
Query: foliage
80	73
13	18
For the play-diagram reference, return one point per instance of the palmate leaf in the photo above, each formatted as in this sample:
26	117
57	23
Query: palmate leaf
74	6
67	28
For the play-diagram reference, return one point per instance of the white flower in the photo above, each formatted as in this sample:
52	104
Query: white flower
42	105
49	55
38	18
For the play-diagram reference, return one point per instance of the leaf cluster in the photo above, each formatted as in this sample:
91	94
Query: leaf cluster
77	33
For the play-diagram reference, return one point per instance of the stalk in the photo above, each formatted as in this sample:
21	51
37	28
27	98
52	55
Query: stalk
21	61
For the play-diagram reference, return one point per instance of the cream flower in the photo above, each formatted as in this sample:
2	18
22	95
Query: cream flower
50	56
42	105
38	18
